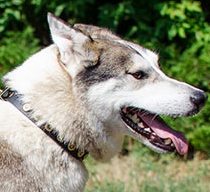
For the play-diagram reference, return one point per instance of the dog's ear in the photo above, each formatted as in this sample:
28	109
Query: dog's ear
64	36
70	41
96	32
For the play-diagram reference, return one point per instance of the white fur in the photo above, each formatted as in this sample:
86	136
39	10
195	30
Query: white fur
159	95
46	81
46	86
29	141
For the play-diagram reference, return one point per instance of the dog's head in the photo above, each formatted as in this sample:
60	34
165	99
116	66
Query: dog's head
122	84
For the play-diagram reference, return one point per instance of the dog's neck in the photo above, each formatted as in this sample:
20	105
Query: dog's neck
46	86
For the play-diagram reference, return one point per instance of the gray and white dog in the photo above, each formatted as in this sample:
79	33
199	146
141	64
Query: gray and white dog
93	88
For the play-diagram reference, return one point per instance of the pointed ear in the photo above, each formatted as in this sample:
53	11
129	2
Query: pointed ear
65	37
96	32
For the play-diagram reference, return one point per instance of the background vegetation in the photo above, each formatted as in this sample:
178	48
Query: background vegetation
144	171
179	31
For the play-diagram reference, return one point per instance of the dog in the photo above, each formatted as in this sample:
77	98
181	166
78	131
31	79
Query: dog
80	95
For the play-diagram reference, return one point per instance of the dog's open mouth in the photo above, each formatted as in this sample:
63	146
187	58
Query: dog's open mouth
154	129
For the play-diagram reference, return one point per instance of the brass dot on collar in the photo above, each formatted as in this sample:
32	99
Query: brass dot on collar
26	107
71	147
59	138
80	153
48	127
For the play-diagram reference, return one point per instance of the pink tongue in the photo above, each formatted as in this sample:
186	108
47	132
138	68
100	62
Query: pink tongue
164	131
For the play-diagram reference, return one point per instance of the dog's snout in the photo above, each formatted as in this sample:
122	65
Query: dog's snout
199	98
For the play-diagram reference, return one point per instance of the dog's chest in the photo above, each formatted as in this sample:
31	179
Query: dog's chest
48	168
65	176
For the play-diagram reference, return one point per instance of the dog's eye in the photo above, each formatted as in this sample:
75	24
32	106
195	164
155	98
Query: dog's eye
139	75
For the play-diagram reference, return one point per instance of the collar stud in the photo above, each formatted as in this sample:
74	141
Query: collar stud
25	108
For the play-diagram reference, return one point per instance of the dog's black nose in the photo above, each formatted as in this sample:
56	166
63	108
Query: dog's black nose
199	98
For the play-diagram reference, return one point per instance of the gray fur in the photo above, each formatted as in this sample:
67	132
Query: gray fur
78	85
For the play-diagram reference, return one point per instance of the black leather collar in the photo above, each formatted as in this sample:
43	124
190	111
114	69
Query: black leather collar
15	98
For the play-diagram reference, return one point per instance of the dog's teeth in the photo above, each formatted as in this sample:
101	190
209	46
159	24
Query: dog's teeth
147	129
130	116
124	110
135	118
141	125
172	144
167	141
152	137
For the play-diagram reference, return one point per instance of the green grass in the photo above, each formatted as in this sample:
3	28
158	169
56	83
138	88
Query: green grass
145	171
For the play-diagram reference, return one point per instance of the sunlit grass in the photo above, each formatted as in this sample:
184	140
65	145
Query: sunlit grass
143	171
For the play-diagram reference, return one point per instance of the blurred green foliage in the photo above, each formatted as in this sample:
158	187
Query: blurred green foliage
15	47
179	31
